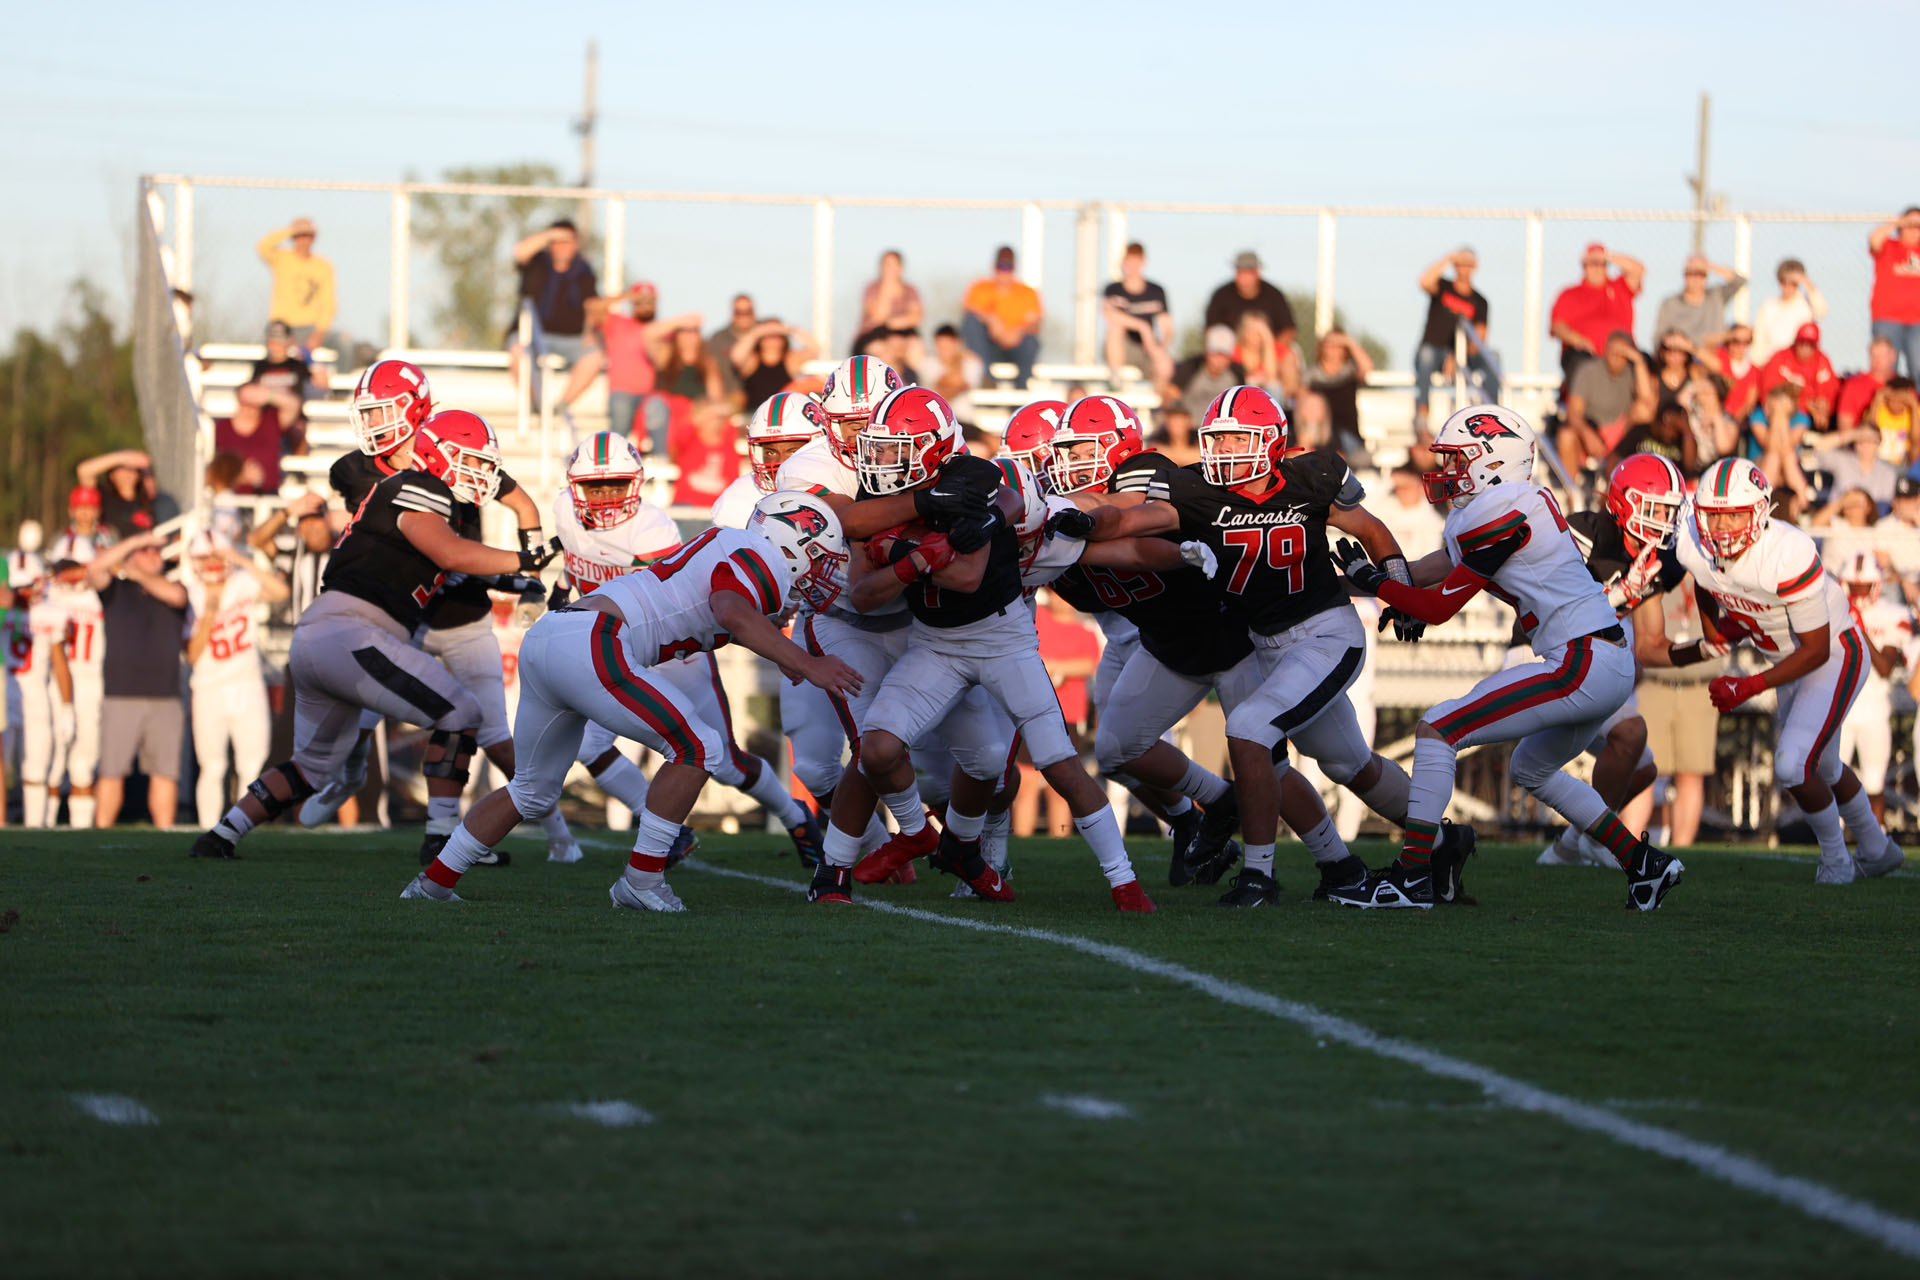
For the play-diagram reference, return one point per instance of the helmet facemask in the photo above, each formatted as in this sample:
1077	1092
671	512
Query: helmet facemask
381	426
891	464
1234	454
605	502
1729	538
1653	518
1080	462
1452	481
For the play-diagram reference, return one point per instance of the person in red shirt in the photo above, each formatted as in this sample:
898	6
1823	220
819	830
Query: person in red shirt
1802	366
1895	245
704	445
1586	312
1857	392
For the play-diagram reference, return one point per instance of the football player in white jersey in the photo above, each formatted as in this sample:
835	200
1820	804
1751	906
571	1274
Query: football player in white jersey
1506	535
1760	583
784	422
226	595
77	751
594	661
46	691
1866	739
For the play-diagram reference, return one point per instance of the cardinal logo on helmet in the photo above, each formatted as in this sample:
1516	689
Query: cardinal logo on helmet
1484	426
805	519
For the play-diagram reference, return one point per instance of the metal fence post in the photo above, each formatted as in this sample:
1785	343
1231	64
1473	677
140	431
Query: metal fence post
399	271
1033	244
1323	277
1743	263
823	274
524	378
1530	305
1086	283
183	234
615	242
1116	239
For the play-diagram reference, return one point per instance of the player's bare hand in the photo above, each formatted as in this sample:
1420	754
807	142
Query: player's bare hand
831	674
1201	557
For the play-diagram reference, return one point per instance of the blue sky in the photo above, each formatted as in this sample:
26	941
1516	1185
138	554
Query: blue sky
1494	105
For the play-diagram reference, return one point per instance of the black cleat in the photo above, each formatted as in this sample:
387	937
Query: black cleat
956	857
1650	873
1210	872
1251	889
491	858
1398	886
211	844
1349	875
808	841
1218	822
430	847
1450	853
683	844
1185	829
831	884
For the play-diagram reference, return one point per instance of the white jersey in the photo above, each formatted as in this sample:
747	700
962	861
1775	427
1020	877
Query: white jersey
1775	588
594	556
1546	580
86	632
735	503
669	604
18	637
508	634
1888	626
46	627
1057	554
229	656
816	469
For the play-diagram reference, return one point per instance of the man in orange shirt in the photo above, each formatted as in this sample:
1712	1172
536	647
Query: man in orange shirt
1003	318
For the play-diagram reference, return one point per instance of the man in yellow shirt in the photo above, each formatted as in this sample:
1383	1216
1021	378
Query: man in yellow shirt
302	283
1003	318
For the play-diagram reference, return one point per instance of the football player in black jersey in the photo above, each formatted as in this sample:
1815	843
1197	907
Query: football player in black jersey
971	627
351	647
1265	508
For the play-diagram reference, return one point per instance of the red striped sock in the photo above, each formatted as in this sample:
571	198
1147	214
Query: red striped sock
1417	849
1613	833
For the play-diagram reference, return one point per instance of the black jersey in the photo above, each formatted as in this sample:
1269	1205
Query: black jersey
1275	572
1000	587
374	560
353	476
1604	547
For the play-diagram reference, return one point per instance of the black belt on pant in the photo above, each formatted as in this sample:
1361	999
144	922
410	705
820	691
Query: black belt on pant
1615	634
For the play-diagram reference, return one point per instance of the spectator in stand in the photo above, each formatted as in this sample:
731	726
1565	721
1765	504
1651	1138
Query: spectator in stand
1198	379
1802	366
721	341
1670	435
556	283
303	296
1605	399
705	447
1854	462
890	307
690	379
1449	301
1311	421
1858	391
953	371
629	340
129	503
1175	436
894	348
770	356
1414	522
83	517
1254	352
225	477
1733	357
283	369
1775	430
1249	291
1139	323
1340	368
1896	411
254	434
1895	306
1002	321
1699	310
1675	366
1780	318
1849	518
141	719
1593	308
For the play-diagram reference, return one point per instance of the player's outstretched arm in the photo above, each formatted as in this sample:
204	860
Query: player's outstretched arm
1148	518
1372	534
1153	555
749	627
435	539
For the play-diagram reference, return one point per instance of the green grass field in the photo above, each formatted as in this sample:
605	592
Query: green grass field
346	1083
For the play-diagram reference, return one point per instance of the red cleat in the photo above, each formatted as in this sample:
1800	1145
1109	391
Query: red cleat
896	853
992	886
905	874
1131	897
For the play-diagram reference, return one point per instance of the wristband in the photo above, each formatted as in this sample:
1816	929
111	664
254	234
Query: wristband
530	539
1685	655
1396	567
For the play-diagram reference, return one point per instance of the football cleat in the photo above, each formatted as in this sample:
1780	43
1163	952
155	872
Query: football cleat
993	842
320	807
1251	888
1840	870
491	858
1131	897
1650	873
1398	886
659	897
421	887
962	859
1348	875
683	844
831	884
896	853
212	845
1886	864
1217	824
808	841
566	849
903	874
430	847
1209	872
1184	828
1450	853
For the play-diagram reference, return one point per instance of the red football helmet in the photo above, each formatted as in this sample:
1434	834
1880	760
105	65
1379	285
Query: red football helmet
1252	420
1028	434
389	403
910	436
852	391
1645	493
461	449
1097	434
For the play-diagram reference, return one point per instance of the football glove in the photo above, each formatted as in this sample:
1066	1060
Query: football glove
1729	692
1070	522
559	596
954	492
1201	557
1362	572
534	559
974	531
932	554
1404	628
880	547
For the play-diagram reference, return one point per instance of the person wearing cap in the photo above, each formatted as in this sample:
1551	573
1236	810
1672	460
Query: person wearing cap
1198	379
303	297
1605	399
1699	310
141	717
1778	318
282	368
631	341
1249	291
128	500
1002	321
1895	305
1802	366
1594	307
1450	300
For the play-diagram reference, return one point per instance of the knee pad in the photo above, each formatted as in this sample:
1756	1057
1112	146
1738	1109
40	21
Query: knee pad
1107	754
298	789
456	749
1529	771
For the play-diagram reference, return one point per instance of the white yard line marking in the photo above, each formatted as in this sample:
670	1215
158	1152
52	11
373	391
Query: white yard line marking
1088	1107
614	1113
1901	1235
114	1108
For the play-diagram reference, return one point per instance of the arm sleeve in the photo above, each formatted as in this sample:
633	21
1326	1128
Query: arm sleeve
1434	605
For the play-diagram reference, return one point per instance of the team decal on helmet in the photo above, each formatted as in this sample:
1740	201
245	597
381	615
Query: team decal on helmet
807	534
389	403
855	387
1480	446
786	417
461	449
604	476
1096	435
911	434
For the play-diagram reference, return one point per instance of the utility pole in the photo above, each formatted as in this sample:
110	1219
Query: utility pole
584	127
1698	180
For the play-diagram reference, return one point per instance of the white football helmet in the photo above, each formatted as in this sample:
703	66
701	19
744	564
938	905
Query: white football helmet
607	461
1860	573
1032	526
1732	506
785	417
1478	447
806	532
855	386
25	570
203	554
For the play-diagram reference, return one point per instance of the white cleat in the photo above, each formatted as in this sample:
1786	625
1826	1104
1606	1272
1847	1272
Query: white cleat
1889	861
962	890
320	807
421	887
1836	870
567	850
659	898
1555	855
